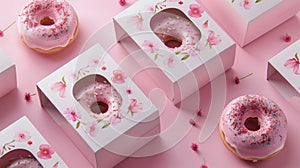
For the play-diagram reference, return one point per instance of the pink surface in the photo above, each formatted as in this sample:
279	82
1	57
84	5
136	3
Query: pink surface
32	67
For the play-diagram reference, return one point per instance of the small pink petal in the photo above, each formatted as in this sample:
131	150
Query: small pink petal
1	33
194	147
192	122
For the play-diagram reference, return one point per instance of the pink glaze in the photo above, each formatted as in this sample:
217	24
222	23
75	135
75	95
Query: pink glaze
256	144
101	92
175	24
25	163
46	37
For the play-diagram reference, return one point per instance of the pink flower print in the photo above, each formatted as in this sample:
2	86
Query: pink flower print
205	24
134	107
118	76
136	20
96	62
116	118
22	136
92	129
195	10
246	4
150	47
212	39
150	9
294	64
60	87
170	61
72	114
45	152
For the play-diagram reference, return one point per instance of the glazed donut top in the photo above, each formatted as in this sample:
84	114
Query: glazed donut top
168	26
47	23
25	163
268	138
103	93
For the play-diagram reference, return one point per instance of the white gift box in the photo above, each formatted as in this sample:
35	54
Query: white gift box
284	73
101	109
176	42
7	74
21	140
246	20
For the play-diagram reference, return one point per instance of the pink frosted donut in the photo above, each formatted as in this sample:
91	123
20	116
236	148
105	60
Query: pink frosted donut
48	26
24	163
253	127
101	100
175	30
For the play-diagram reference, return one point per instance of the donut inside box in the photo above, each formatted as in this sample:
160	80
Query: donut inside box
176	42
284	73
7	74
100	108
246	20
21	145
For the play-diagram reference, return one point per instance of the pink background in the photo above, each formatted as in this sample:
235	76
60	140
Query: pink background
93	14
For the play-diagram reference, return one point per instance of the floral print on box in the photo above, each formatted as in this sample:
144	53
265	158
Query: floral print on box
293	63
247	4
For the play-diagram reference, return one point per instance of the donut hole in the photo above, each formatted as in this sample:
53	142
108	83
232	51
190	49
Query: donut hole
175	29
47	21
99	107
252	123
171	41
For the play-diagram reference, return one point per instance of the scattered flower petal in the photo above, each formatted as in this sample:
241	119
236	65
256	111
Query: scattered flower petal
192	122
237	79
194	147
27	96
199	113
203	166
122	2
1	33
287	38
